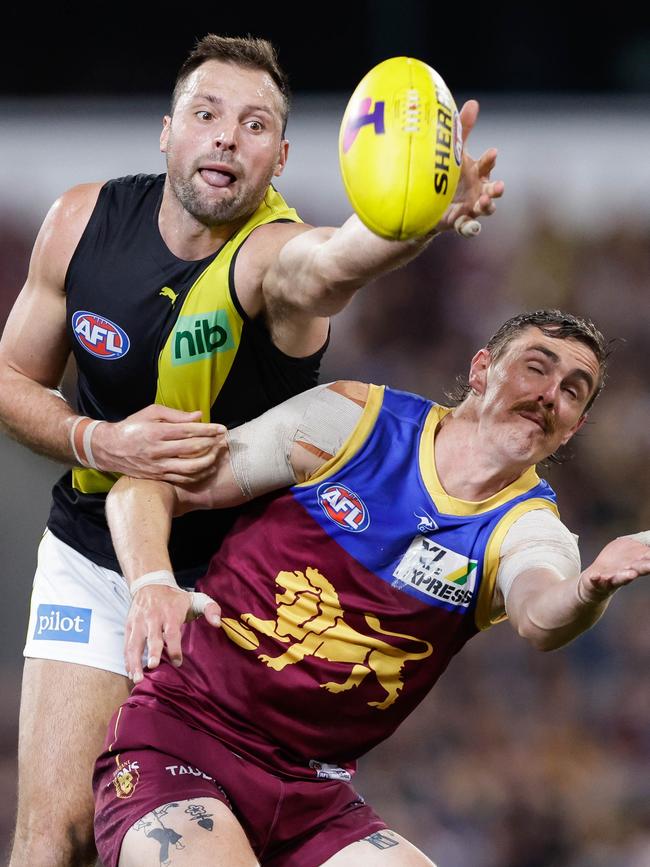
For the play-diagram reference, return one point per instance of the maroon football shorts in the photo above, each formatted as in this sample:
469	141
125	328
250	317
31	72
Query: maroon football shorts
156	759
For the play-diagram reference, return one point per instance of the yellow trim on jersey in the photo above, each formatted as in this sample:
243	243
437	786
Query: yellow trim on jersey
199	353
92	481
355	441
484	616
117	722
447	504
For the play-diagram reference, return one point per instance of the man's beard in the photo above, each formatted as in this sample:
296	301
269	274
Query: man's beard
215	212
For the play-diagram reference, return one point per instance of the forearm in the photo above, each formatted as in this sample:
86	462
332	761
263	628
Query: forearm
321	277
553	616
36	416
139	514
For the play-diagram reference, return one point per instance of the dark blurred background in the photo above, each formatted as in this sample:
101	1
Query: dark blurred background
517	759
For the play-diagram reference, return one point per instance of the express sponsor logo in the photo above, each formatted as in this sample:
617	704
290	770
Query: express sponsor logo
344	507
99	336
62	623
437	572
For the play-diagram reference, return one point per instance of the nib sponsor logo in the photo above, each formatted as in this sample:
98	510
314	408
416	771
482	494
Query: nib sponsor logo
200	336
99	336
62	623
344	507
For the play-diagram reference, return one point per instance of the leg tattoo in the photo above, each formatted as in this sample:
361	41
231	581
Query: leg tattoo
381	840
164	836
199	814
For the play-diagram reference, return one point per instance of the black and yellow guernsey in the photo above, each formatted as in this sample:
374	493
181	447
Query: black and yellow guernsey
148	327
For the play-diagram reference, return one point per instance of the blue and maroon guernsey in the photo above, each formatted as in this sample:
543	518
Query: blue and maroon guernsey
343	600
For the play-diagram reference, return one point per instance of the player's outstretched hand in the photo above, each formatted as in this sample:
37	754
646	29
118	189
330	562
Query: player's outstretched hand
156	618
476	194
618	564
159	443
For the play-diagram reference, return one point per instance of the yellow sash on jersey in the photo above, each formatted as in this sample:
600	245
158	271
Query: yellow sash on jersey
201	348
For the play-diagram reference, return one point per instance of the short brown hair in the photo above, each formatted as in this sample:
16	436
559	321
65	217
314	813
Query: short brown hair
553	323
248	51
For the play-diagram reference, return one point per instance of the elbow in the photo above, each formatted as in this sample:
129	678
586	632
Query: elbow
544	640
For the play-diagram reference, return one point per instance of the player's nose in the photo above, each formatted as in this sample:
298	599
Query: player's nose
549	394
226	138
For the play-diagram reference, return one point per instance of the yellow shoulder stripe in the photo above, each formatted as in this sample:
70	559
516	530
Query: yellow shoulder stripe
484	616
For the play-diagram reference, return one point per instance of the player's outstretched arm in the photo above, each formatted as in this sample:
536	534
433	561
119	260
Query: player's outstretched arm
316	272
157	442
551	611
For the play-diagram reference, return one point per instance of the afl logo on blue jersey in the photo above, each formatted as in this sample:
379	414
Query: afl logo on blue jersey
99	336
344	507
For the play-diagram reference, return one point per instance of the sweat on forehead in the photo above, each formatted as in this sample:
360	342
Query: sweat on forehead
213	76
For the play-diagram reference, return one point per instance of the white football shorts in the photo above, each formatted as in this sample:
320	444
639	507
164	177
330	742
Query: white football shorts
78	609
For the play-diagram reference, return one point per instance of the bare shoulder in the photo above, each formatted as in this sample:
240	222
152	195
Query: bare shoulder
62	229
355	391
256	257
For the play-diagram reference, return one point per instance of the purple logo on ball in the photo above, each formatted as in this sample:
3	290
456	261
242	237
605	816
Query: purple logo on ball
363	118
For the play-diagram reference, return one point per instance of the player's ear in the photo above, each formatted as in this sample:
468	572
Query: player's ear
282	158
164	135
478	371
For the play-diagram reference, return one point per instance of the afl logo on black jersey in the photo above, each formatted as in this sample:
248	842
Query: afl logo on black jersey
101	337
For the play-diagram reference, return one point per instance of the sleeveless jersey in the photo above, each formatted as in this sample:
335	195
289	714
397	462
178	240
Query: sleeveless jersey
145	327
343	599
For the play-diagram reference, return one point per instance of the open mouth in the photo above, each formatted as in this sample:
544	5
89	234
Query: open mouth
217	177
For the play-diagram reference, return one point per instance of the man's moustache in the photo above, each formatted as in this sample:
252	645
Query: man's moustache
531	406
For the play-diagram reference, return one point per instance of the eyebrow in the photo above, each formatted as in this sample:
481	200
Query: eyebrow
217	100
578	372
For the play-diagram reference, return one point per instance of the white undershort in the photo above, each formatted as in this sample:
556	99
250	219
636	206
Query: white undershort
78	609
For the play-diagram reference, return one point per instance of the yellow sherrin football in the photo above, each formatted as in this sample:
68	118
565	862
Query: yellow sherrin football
400	148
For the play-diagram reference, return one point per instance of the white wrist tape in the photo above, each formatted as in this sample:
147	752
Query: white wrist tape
88	435
73	431
198	604
81	434
161	576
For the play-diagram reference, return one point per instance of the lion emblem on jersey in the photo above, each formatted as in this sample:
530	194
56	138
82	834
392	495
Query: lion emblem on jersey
311	621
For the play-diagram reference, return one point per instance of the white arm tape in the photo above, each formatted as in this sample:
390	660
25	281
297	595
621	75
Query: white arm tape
537	539
260	450
643	537
162	576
